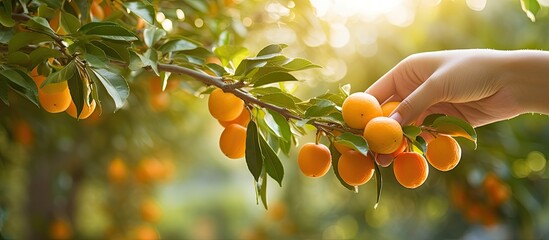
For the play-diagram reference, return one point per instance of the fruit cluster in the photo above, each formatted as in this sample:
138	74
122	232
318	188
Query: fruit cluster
231	113
386	142
56	97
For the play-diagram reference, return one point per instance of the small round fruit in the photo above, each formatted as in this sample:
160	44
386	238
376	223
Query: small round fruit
243	119
314	160
117	171
384	135
87	110
443	153
54	102
149	211
96	11
354	168
400	148
224	106
388	108
411	169
233	141
359	108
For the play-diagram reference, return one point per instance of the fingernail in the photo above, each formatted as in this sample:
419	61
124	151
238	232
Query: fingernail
396	116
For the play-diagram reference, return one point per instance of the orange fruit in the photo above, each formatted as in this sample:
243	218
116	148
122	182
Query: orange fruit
60	229
354	168
340	147
497	191
140	23
87	110
233	141
384	135
359	108
410	169
23	133
54	22
159	101
443	152
243	119
388	108
213	59
150	170
224	106
145	232
314	159
54	102
400	148
96	11
149	211
117	171
277	211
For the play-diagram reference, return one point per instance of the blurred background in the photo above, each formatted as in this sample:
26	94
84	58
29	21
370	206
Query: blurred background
154	167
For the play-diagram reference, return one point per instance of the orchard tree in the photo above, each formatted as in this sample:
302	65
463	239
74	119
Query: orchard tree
83	57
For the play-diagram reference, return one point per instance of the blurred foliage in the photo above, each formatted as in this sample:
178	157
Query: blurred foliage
154	165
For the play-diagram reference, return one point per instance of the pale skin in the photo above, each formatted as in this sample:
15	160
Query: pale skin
480	86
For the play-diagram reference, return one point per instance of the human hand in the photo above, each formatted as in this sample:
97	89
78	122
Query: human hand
480	86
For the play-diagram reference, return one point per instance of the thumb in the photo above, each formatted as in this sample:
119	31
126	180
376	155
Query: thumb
424	96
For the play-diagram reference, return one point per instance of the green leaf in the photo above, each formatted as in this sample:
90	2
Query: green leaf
531	8
135	61
69	22
78	95
178	45
40	24
420	144
5	14
279	99
272	49
278	124
430	119
335	117
96	57
353	141
164	76
62	75
297	64
411	132
321	108
273	77
150	58
115	84
272	162
21	79
108	30
262	189
254	158
113	50
335	162
152	34
18	58
455	127
4	91
379	181
143	9
336	98
231	54
46	12
41	54
23	39
264	91
345	90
